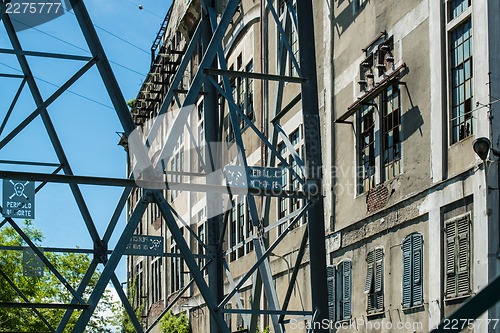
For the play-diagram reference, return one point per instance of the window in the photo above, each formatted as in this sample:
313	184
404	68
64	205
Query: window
249	111
232	231
227	316
202	233
294	43
240	230
457	7
374	284
201	138
156	292
292	38
177	165
388	122
176	268
391	131
140	283
457	257
283	202
290	181
243	93
412	290
461	80
366	140
249	231
339	281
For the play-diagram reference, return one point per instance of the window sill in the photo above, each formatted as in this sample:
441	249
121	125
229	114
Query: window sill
344	321
462	141
413	308
457	298
374	313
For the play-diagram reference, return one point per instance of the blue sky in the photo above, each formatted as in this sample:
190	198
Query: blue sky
83	117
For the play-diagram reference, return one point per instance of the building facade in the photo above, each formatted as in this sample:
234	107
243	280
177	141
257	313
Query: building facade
411	212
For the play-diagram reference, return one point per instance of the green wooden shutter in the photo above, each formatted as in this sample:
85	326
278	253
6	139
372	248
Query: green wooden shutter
463	256
330	280
417	250
379	283
369	273
450	265
407	276
347	287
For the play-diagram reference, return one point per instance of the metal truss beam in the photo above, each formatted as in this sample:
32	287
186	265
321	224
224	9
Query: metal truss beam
112	263
45	54
211	302
12	105
56	143
259	246
253	75
41	107
262	258
211	34
26	300
120	182
12	76
42	305
44	259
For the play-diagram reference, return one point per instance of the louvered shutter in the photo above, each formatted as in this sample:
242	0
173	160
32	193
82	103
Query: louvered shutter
379	279
330	274
369	273
347	287
417	250
450	253
407	276
463	261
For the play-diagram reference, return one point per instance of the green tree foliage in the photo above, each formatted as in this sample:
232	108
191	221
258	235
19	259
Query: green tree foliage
171	323
47	289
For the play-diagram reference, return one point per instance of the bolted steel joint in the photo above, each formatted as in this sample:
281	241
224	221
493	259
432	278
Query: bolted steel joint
147	197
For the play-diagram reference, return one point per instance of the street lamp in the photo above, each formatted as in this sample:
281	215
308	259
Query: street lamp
482	146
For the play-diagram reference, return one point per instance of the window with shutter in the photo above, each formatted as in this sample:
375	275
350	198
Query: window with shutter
339	282
417	294
406	290
457	257
346	290
374	281
412	288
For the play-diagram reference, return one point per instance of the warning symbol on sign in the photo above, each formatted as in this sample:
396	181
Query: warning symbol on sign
18	199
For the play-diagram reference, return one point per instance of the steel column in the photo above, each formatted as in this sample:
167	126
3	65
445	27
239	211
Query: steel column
312	140
212	163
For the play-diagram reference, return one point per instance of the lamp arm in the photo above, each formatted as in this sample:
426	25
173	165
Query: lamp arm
495	152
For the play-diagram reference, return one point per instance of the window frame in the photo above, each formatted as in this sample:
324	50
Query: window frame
452	24
374	283
289	205
377	107
337	291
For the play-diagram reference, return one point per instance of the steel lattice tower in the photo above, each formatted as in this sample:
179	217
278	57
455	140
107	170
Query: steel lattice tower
214	77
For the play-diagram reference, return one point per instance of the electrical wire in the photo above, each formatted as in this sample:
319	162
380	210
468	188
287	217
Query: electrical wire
116	36
55	85
144	9
81	48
